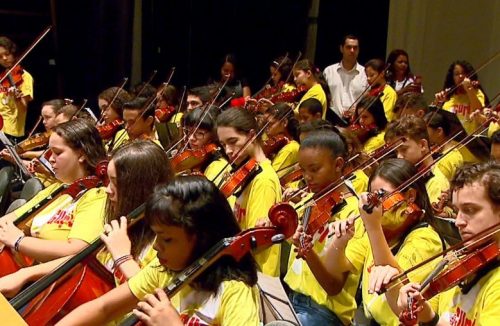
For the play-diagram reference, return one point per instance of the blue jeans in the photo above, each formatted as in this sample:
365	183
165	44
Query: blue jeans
311	313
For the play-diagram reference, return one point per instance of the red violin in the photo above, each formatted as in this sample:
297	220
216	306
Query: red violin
291	96
14	79
108	130
362	132
164	114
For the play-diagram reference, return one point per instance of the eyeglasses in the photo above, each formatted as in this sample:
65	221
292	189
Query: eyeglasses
199	134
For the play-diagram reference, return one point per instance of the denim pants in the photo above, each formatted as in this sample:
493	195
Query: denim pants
311	313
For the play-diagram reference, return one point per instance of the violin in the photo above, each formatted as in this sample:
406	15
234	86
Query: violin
13	79
108	130
395	199
295	174
274	144
362	132
284	220
451	271
241	177
12	261
164	114
191	159
35	141
290	96
375	91
78	280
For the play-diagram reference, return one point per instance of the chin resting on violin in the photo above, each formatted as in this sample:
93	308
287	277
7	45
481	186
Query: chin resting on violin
473	265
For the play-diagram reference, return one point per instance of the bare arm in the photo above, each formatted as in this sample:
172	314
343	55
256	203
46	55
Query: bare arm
114	304
46	250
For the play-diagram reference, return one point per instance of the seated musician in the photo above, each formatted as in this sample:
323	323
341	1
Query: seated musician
475	300
133	172
224	294
70	221
416	150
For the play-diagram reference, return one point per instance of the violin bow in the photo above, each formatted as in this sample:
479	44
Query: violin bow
270	78
151	101
367	88
26	52
299	55
248	142
36	126
148	82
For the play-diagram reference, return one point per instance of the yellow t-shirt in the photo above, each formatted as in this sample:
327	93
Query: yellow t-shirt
450	162
300	278
64	218
235	303
374	143
492	128
286	158
360	181
460	105
177	118
14	116
147	255
253	204
214	169
389	98
316	92
122	137
418	245
436	185
478	307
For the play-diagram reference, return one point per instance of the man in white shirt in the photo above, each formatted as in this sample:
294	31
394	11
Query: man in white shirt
346	79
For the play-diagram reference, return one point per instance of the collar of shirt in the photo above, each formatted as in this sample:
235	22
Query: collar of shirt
342	69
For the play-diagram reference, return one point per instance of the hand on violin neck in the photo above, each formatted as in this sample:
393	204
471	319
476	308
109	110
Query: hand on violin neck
302	242
419	305
342	231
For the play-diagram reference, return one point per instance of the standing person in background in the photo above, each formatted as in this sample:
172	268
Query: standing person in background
346	79
236	84
15	98
399	75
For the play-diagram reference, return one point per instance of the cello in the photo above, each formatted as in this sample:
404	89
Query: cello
284	220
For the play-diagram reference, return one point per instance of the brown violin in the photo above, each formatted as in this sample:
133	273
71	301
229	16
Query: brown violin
13	79
274	144
191	159
239	178
35	141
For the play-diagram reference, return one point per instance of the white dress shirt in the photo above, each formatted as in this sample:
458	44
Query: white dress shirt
345	85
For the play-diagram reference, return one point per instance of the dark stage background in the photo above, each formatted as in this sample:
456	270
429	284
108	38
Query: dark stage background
90	45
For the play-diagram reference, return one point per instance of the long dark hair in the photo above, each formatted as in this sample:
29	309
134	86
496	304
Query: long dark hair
397	171
197	205
140	166
469	71
318	76
329	140
240	119
373	105
391	60
81	135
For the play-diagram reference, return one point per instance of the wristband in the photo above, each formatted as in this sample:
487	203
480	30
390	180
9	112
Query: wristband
121	260
433	322
18	242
